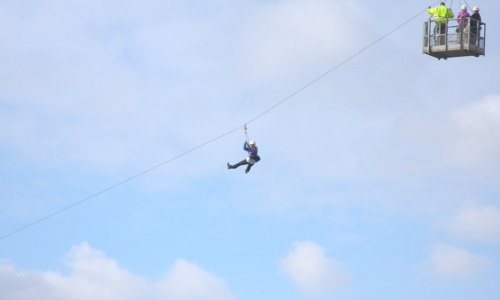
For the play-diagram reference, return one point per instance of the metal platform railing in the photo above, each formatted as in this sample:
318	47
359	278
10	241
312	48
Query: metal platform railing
454	38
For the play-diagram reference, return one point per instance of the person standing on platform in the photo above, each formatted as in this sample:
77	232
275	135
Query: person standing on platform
463	31
441	16
474	25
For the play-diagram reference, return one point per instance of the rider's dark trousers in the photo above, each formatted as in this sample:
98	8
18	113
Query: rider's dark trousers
241	163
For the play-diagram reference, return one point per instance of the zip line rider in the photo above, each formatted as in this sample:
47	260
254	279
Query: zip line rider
441	15
250	160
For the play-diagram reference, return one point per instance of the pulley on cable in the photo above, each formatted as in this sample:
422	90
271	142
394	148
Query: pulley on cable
252	150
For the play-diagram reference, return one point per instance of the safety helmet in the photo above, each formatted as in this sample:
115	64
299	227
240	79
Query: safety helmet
252	143
464	7
475	9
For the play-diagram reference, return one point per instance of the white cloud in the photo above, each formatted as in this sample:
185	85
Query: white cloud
102	84
451	262
290	37
96	276
188	281
110	88
480	223
478	132
466	138
313	272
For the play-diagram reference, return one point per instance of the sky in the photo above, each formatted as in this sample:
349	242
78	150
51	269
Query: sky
379	181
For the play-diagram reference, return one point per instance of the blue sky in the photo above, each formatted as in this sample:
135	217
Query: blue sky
380	181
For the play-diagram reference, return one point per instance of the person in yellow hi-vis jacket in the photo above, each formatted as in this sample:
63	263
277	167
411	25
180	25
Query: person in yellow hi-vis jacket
441	16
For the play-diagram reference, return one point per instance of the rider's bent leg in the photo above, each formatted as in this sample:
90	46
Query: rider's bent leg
241	163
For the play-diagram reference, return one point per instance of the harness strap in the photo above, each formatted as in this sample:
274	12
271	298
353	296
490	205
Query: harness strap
246	134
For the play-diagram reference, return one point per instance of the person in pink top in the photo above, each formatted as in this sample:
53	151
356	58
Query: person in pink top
463	14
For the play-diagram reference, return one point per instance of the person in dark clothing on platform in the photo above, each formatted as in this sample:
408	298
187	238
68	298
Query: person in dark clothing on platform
250	160
474	24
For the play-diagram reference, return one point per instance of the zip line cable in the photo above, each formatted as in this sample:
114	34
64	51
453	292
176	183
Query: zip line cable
213	140
356	54
120	183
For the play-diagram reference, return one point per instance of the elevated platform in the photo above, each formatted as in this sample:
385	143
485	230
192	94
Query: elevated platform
445	39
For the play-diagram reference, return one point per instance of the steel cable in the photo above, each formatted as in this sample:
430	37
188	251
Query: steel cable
220	136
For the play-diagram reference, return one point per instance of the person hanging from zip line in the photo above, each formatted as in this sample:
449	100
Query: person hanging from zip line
250	160
441	16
